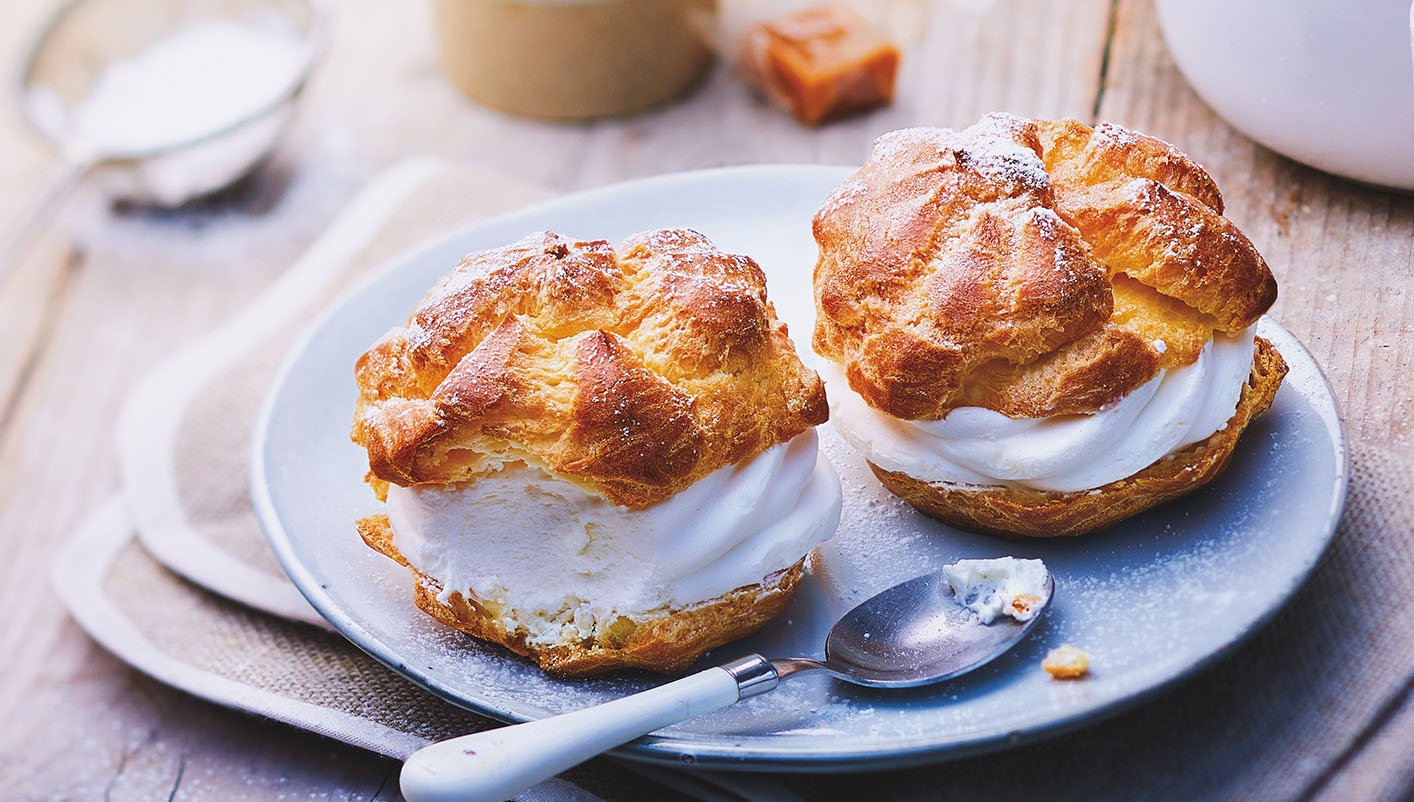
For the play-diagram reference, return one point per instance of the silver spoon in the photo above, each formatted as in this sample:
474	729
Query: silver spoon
912	634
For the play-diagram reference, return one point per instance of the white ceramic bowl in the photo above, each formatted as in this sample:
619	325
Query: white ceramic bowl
84	37
1327	82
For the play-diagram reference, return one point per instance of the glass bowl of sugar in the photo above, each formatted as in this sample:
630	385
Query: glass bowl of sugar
170	99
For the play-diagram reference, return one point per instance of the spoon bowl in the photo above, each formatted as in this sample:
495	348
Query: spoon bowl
915	633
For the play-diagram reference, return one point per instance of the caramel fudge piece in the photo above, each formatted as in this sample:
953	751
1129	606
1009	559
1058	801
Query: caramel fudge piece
821	62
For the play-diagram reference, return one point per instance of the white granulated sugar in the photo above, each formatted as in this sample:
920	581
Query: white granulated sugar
1160	346
195	81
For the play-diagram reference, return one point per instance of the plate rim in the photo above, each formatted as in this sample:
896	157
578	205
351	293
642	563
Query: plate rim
707	752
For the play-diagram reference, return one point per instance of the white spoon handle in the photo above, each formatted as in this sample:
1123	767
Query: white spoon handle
495	765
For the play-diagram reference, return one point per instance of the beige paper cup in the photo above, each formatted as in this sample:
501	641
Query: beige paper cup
573	59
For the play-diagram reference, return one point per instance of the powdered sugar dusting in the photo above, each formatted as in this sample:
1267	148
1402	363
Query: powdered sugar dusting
1069	260
1113	134
998	149
895	144
990	147
1116	135
1047	221
843	195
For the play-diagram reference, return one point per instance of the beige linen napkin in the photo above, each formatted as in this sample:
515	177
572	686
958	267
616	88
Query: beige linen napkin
289	671
1316	706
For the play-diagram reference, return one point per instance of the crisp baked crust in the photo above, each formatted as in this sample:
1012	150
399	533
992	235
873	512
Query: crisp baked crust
1027	267
1066	662
668	642
1012	513
633	372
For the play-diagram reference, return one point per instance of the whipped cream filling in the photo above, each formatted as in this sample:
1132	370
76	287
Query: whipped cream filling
566	563
972	446
997	587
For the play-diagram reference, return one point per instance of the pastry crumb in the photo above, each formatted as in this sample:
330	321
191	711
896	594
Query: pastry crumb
1021	606
1066	662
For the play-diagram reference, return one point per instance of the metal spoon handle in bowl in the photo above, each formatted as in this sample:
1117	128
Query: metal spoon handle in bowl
497	764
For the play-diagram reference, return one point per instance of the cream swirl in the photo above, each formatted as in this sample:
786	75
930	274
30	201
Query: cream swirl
565	562
1062	453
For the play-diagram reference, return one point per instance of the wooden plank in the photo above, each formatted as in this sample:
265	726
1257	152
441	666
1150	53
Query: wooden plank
30	296
29	305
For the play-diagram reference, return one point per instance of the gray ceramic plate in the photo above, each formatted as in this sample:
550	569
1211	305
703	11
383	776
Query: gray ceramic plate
1151	601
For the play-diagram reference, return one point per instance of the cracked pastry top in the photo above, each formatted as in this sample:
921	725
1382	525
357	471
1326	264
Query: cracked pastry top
1027	267
633	373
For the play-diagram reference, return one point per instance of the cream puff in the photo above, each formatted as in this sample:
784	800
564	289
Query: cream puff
597	458
1036	328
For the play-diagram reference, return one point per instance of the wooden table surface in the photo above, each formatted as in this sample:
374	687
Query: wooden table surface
110	292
